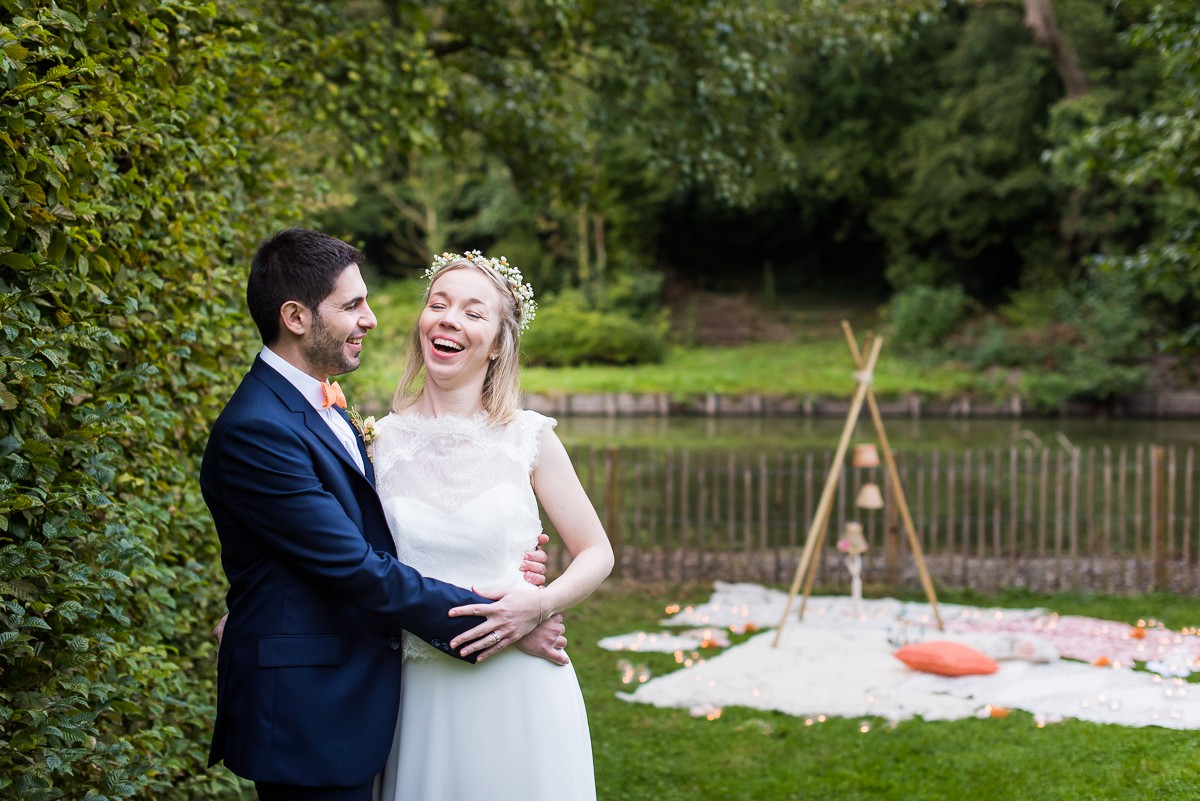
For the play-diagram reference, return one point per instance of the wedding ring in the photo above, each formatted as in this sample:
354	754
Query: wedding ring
497	636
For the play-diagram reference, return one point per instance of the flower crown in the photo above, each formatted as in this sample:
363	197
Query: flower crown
523	292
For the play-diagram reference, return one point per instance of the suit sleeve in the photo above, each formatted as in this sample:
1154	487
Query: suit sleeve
264	474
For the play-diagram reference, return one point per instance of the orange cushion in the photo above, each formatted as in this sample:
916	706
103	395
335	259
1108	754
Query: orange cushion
946	659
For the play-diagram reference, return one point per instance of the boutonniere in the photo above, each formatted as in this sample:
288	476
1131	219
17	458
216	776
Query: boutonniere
365	425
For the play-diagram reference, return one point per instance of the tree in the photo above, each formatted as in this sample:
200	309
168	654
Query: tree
589	106
1040	20
1145	166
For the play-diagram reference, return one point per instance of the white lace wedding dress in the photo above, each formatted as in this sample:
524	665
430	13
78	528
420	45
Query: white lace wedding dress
459	502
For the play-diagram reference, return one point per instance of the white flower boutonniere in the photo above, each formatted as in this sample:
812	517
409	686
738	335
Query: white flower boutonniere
365	426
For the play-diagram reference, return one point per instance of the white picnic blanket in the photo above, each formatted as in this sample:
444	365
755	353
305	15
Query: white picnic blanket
838	661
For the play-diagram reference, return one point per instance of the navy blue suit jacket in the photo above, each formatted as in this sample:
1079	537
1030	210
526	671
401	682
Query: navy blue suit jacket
308	673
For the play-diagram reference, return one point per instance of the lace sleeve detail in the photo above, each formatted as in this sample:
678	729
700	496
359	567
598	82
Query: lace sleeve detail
530	426
417	650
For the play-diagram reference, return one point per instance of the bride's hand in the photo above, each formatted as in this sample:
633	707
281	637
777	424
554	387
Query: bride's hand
547	641
510	618
533	568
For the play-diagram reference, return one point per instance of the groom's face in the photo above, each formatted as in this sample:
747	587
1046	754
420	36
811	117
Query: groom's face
333	345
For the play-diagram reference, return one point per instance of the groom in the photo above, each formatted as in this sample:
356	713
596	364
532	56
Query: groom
308	672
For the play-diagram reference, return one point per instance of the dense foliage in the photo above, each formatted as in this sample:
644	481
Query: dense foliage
131	186
871	147
955	167
1139	173
561	150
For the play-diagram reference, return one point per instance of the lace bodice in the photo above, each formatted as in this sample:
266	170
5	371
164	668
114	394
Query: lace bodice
457	497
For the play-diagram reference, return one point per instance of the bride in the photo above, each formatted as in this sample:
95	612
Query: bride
461	471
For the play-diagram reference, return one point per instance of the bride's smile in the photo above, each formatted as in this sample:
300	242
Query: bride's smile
459	326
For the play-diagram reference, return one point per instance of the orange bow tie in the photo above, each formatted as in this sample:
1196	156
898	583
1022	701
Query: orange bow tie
333	395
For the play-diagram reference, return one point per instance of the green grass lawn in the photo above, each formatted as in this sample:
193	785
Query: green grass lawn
817	362
816	365
643	752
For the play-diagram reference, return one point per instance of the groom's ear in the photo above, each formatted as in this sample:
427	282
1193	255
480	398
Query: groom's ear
294	316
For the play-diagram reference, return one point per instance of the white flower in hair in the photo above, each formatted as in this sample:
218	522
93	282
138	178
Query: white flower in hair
523	292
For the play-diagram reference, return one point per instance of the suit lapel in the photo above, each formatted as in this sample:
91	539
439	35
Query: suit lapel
298	404
368	468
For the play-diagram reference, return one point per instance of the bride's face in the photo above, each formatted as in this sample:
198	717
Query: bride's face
459	326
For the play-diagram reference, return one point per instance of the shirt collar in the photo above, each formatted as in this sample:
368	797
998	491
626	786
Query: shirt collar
308	386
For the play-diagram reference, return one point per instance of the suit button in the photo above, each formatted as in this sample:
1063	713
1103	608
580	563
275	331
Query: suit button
394	644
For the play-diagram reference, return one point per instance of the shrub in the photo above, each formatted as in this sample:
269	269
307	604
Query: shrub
1084	341
995	346
568	333
130	148
1099	346
922	317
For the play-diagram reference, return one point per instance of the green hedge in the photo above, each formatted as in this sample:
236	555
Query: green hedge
134	181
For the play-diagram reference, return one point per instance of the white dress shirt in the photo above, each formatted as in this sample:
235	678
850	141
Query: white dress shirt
311	389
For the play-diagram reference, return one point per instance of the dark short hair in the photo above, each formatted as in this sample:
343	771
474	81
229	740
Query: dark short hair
294	264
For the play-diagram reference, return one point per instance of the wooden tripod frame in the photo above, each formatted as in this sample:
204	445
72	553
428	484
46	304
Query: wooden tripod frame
806	569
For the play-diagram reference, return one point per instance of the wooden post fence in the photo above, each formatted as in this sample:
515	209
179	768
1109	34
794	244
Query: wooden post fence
1049	518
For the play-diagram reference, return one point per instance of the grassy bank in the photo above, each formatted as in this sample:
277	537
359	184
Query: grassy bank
818	364
816	361
643	752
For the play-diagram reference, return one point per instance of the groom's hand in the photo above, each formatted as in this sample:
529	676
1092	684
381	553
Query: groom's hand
547	641
534	566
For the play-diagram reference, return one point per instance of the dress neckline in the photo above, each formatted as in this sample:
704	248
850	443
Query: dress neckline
408	413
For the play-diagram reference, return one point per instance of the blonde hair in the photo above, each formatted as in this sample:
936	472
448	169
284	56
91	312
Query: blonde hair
501	383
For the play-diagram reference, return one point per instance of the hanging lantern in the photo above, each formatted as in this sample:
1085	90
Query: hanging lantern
869	497
866	455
